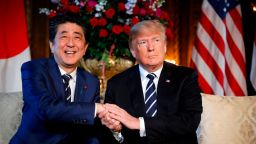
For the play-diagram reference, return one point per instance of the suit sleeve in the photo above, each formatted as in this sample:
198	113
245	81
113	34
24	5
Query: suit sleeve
186	120
40	96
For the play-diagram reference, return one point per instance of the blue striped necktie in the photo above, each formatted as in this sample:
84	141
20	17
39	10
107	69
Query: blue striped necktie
150	96
66	78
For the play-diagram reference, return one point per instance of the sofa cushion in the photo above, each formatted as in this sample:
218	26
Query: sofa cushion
228	120
10	115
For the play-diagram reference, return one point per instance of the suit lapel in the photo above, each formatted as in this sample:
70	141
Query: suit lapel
81	86
136	94
165	84
55	75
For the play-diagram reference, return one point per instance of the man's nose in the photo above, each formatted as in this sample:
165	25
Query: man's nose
150	46
70	42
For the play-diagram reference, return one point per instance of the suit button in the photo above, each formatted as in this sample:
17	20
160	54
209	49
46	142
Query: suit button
76	121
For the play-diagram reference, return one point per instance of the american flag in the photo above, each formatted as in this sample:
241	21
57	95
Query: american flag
218	54
253	66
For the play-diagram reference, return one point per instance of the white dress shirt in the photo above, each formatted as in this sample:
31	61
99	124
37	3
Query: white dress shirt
72	82
144	82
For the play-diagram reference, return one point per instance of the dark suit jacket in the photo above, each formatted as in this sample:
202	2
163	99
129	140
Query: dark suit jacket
47	117
179	105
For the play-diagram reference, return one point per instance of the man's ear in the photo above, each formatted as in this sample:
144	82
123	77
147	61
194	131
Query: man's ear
85	47
51	46
132	52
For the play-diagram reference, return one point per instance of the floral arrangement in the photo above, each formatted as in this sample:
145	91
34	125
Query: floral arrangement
109	22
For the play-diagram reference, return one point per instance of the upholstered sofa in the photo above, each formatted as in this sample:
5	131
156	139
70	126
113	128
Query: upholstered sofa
10	114
228	120
225	120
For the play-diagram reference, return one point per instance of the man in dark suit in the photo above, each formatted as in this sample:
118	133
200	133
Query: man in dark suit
56	110
156	102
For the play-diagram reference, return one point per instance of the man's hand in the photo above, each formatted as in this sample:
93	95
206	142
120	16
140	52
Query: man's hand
99	108
111	123
121	115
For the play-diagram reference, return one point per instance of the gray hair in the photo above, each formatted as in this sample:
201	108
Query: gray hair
152	25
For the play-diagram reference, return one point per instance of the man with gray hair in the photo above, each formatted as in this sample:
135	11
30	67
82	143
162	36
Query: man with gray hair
155	101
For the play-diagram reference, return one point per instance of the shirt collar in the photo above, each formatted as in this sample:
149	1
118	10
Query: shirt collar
73	74
144	73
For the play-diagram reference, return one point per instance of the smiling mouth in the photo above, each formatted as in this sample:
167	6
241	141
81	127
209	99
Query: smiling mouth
69	52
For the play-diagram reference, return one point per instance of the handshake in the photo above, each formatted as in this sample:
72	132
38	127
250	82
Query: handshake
113	117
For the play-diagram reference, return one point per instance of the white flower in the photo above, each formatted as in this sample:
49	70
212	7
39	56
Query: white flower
129	6
99	7
160	3
97	15
44	11
77	2
132	1
128	21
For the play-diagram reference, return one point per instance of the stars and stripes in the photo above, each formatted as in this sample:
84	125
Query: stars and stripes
219	54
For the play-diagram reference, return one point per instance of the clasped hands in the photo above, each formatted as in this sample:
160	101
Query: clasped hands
113	117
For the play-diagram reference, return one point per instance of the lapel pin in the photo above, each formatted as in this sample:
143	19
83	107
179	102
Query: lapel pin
85	87
168	81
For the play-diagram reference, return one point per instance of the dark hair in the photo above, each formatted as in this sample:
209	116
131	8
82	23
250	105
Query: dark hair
64	18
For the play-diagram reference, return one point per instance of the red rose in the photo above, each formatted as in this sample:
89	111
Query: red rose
102	22
164	15
110	13
103	33
143	12
64	2
94	22
65	7
74	9
121	6
135	20
117	29
52	14
92	3
170	24
169	34
150	12
88	8
127	29
136	10
146	5
158	12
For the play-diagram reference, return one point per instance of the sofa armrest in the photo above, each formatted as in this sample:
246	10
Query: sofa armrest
228	120
10	115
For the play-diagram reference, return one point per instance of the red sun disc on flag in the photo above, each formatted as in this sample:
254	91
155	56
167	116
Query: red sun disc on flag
13	30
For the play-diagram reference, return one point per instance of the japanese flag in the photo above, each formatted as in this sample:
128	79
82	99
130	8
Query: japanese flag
14	47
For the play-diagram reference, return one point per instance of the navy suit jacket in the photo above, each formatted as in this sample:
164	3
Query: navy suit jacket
47	117
179	105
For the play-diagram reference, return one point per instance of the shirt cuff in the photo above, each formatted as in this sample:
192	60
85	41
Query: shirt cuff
142	127
118	136
95	110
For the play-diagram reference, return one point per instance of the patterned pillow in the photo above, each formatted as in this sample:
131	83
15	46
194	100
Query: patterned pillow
228	120
10	115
